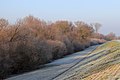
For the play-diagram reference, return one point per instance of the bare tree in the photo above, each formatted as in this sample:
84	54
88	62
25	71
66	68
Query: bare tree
84	30
3	23
96	26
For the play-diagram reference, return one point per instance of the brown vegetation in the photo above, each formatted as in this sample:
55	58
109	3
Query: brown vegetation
32	42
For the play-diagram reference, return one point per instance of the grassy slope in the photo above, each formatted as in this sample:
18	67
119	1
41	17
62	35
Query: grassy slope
111	67
102	64
107	46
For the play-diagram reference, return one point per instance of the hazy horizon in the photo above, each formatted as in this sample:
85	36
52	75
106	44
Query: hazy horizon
105	12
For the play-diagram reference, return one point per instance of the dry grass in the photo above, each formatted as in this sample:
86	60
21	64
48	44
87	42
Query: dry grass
103	65
109	73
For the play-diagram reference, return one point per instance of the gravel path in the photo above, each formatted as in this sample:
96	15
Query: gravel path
56	68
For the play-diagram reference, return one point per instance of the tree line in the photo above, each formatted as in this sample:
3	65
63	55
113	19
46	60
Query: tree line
31	42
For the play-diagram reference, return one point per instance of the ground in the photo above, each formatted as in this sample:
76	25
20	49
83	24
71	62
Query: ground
102	64
95	63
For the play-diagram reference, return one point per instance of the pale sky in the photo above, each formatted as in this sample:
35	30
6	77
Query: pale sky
106	12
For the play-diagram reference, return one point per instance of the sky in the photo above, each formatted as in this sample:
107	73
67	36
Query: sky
105	12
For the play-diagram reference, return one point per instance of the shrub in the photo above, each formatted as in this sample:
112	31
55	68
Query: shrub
69	45
78	47
58	49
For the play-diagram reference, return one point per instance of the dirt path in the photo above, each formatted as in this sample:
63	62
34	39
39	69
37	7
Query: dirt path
56	68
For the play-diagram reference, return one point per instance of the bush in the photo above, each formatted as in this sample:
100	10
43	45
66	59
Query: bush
78	47
23	56
94	41
58	49
69	45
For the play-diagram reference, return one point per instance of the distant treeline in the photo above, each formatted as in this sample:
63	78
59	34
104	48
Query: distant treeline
31	42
